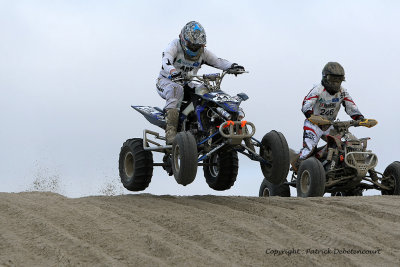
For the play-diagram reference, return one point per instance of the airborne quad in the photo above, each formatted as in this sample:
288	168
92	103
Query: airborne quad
342	167
210	134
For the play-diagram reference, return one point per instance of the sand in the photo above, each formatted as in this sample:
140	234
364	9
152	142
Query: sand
47	229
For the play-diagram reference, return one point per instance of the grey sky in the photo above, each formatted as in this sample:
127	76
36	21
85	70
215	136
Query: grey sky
69	71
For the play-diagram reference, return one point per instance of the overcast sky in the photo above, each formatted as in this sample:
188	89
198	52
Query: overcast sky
69	71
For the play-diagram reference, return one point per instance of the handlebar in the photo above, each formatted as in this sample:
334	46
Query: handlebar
321	121
210	80
356	123
236	71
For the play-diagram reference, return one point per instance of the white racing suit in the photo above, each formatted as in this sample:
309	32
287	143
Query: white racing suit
320	102
173	58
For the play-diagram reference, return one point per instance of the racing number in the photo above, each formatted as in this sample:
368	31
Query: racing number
327	112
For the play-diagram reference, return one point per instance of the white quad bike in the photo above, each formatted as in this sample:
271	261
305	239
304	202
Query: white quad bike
342	167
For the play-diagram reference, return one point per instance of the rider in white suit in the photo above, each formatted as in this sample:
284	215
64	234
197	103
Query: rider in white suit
325	100
182	56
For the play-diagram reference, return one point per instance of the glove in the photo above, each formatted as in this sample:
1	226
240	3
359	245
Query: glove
235	66
174	74
319	120
358	117
308	113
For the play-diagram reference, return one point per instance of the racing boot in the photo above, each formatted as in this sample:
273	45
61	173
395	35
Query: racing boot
373	175
296	163
172	125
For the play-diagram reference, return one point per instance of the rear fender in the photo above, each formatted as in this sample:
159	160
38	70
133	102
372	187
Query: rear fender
154	115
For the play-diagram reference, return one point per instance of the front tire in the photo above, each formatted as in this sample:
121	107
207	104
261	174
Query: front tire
310	180
184	158
268	189
223	175
393	181
135	165
275	150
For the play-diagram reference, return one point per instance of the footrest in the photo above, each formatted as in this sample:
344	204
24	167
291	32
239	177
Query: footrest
157	147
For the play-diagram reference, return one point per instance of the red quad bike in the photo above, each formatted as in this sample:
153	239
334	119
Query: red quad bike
342	167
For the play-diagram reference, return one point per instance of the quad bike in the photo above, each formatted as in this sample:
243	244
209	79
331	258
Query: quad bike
210	134
342	167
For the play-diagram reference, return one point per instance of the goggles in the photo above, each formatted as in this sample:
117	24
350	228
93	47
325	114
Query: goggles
193	47
335	78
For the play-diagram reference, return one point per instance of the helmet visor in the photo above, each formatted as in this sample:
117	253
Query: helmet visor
334	78
333	82
193	47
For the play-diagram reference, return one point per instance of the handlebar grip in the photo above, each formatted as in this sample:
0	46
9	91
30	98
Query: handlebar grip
368	123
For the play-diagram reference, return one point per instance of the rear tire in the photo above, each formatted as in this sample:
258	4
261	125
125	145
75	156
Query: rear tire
310	180
275	150
392	171
268	189
135	165
222	176
184	158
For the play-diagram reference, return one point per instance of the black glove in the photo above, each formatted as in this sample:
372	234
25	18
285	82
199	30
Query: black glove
357	117
174	75
308	113
235	66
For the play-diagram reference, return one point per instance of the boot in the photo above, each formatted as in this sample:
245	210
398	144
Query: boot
296	163
172	125
373	175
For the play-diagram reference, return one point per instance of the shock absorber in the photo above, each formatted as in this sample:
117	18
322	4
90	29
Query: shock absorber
335	158
331	173
224	113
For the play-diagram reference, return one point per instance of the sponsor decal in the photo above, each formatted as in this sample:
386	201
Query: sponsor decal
188	63
330	105
308	135
335	100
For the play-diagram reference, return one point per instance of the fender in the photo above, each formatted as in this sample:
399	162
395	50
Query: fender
335	139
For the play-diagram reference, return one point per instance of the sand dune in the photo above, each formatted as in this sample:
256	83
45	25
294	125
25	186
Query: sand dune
46	229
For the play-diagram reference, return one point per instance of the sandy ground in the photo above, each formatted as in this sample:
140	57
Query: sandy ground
47	229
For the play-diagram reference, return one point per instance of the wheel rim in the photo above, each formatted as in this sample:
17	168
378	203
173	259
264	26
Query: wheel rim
266	192
177	158
305	181
267	155
214	169
129	164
